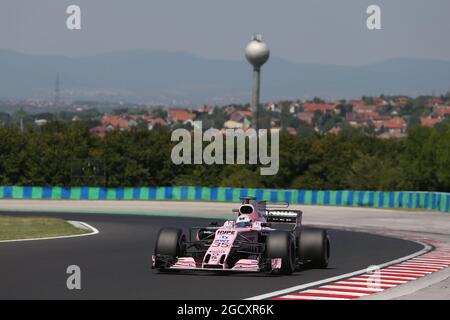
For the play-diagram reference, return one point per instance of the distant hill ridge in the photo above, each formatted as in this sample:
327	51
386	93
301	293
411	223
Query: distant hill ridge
182	79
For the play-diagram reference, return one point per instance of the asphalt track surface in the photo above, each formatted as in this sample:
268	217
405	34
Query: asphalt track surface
116	263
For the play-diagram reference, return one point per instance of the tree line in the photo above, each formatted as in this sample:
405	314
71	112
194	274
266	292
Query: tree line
67	154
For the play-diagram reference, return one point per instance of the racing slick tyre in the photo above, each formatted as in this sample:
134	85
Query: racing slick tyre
170	244
280	244
314	246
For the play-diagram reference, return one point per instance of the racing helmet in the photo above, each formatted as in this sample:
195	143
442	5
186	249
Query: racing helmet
243	221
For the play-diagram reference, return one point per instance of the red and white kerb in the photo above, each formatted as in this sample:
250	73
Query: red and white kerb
379	280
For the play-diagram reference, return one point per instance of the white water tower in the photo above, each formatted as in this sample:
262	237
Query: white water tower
257	53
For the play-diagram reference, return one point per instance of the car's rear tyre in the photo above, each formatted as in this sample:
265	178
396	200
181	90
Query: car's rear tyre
280	244
170	244
314	246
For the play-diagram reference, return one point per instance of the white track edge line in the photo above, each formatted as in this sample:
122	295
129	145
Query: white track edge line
426	249
94	231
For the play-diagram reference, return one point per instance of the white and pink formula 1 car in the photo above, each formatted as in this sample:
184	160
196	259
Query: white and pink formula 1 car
250	243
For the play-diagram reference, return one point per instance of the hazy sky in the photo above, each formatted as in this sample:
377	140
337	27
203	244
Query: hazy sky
320	31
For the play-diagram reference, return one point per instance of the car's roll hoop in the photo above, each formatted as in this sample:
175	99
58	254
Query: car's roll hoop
247	199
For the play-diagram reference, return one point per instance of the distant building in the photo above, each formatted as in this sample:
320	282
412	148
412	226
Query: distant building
180	115
294	108
273	107
230	109
306	117
322	107
357	104
335	130
230	124
395	125
429	121
132	123
364	108
236	116
100	131
391	135
204	110
379	103
115	122
156	122
292	131
435	102
401	101
442	111
40	122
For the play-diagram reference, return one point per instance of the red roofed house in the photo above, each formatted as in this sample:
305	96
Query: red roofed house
110	120
115	122
292	131
156	122
306	117
362	117
401	101
274	107
322	107
335	130
364	108
395	125
379	102
390	135
442	111
246	113
358	104
180	115
378	122
434	102
429	121
99	131
204	110
230	109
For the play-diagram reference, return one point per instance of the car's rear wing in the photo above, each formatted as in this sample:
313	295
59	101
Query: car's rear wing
284	216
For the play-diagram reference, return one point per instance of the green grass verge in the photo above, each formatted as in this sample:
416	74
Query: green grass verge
12	228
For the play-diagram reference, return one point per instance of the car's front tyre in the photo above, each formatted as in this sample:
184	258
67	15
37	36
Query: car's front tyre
280	244
170	244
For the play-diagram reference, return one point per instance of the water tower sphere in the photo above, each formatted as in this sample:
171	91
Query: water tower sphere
257	53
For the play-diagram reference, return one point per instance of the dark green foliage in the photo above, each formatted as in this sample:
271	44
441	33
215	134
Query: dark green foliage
47	156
